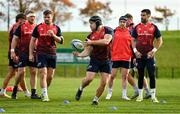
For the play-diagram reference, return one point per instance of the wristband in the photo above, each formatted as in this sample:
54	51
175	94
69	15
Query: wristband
62	40
135	50
154	49
12	50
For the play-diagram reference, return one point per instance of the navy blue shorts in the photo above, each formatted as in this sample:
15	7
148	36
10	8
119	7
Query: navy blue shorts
12	63
24	61
99	66
45	60
132	64
145	62
123	64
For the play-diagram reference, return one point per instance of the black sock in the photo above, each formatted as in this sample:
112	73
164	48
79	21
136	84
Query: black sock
14	90
33	91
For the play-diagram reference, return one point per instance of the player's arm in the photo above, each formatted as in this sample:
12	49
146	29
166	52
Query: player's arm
13	46
158	43
105	41
57	37
32	44
14	43
86	52
31	48
133	43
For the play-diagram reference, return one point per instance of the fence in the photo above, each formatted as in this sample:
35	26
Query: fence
69	65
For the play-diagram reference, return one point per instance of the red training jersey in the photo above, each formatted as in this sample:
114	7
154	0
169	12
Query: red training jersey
121	49
101	52
46	44
11	33
24	33
144	35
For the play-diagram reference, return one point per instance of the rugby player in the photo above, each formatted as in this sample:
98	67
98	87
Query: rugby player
145	33
98	47
47	34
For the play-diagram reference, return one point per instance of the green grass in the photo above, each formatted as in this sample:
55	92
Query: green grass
169	53
65	89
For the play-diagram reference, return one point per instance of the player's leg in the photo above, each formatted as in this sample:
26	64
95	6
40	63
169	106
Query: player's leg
100	89
132	82
23	85
43	83
33	82
92	69
20	74
85	82
140	66
151	72
131	79
124	74
105	68
23	62
50	75
110	82
10	74
51	69
146	88
42	67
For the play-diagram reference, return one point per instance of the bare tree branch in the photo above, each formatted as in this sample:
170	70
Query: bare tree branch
94	7
166	13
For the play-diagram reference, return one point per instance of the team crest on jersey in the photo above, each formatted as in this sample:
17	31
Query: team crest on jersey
39	64
20	63
54	29
145	32
89	67
102	33
151	28
92	37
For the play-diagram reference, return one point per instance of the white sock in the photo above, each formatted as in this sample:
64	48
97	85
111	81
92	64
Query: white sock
81	88
95	98
26	92
147	90
135	88
124	93
109	90
3	91
153	93
140	93
44	92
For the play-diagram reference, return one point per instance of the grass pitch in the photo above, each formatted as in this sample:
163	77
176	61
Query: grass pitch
65	88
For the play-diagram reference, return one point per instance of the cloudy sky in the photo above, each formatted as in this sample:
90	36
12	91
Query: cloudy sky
120	7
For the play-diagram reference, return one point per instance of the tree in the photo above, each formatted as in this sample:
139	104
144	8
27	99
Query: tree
94	7
166	13
60	9
2	14
19	6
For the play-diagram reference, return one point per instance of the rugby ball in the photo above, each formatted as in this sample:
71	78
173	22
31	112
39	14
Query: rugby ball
77	45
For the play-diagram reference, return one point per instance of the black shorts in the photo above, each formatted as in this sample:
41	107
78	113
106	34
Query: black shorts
143	62
12	63
46	60
24	61
123	64
99	66
132	65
